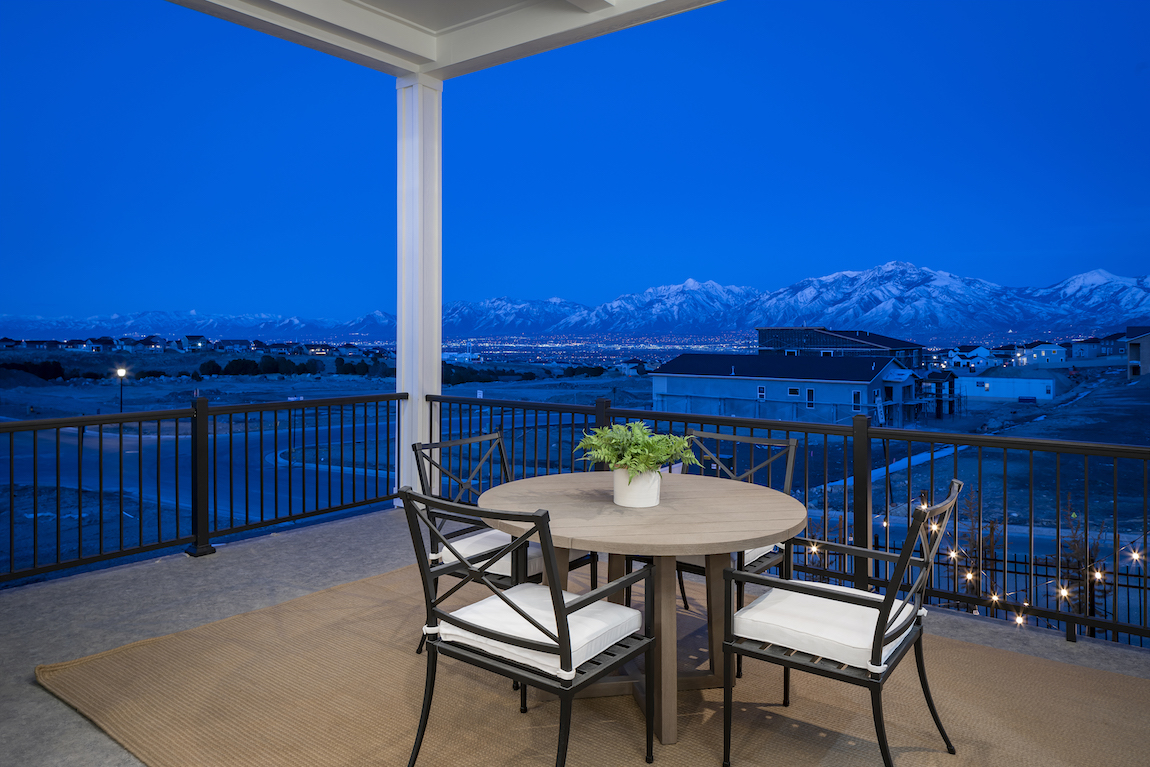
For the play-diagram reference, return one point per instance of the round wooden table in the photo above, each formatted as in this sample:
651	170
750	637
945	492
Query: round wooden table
697	515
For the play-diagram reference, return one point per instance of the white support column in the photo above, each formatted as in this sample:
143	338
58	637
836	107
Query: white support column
419	263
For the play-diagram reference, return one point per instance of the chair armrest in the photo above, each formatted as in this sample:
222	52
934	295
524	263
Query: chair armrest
630	579
843	548
800	587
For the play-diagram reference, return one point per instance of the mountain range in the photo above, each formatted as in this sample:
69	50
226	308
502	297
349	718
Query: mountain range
896	299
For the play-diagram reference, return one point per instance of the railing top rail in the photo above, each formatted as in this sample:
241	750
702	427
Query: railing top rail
734	422
1102	449
44	424
560	408
305	403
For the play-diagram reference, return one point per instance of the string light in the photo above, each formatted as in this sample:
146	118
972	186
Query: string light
953	554
1064	592
1019	619
1097	575
994	597
970	576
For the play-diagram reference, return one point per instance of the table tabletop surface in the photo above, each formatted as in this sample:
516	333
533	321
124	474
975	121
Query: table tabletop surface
695	514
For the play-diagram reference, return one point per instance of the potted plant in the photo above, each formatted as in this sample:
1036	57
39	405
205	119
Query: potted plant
635	455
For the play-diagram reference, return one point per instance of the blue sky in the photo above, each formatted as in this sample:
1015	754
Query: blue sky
152	157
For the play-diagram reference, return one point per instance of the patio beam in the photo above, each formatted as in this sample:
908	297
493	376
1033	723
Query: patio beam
419	259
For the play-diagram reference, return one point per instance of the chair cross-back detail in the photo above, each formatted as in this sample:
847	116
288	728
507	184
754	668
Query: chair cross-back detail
461	469
760	456
466	466
838	632
534	634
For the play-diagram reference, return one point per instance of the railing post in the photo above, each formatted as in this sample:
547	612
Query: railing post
602	405
861	500
201	466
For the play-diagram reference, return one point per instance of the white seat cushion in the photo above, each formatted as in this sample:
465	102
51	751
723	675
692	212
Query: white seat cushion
494	539
836	630
752	554
593	629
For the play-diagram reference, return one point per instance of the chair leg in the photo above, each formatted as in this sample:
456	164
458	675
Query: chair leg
728	703
419	647
594	569
428	691
740	588
926	691
649	691
522	699
683	591
786	686
880	725
564	729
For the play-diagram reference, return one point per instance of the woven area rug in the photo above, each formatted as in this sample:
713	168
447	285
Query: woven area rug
332	679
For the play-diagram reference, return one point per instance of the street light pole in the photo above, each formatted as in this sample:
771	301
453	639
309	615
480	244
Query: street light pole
121	372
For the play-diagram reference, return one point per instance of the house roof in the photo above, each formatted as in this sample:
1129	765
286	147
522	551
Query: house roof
863	337
875	339
779	367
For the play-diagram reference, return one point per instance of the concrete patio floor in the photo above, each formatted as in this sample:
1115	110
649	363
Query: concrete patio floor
78	615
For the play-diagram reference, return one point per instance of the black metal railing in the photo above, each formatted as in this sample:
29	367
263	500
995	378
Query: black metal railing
1048	532
87	489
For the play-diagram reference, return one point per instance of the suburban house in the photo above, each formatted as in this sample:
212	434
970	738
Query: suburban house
281	349
937	389
970	359
52	345
152	345
632	367
1137	350
1086	348
258	346
820	342
194	344
786	387
1043	353
101	344
7	343
232	345
319	350
1020	384
349	350
1007	354
127	345
1113	344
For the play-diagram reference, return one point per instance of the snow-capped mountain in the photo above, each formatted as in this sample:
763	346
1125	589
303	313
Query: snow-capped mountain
693	307
896	299
506	316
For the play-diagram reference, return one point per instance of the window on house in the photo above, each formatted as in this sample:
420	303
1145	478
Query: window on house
1048	388
792	352
762	392
828	354
810	398
857	400
793	391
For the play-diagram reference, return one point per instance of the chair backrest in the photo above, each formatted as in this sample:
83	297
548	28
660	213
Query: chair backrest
423	513
751	459
912	571
465	467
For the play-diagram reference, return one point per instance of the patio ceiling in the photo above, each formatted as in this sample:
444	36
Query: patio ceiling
440	38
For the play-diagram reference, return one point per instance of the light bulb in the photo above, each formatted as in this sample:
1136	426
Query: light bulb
1018	619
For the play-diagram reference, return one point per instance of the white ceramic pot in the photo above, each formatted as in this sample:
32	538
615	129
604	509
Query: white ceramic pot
641	492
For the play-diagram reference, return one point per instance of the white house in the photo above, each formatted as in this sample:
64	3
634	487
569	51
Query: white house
1138	351
788	388
1043	353
970	359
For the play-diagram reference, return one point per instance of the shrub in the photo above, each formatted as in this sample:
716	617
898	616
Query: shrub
210	368
241	367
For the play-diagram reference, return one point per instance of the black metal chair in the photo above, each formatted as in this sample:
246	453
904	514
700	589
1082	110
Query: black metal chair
748	459
837	632
534	634
467	467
